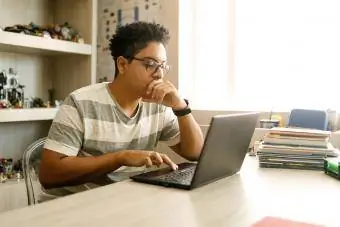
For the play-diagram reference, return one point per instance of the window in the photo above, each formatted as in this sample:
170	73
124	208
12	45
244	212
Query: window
262	54
204	52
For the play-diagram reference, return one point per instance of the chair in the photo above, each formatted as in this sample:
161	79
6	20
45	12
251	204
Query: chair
312	119
30	166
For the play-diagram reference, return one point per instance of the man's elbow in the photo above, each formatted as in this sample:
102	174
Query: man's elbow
192	157
49	169
46	179
191	154
195	153
48	175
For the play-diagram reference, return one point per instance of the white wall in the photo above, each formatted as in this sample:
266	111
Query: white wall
171	20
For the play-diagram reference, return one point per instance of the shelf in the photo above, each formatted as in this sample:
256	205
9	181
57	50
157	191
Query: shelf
21	43
33	114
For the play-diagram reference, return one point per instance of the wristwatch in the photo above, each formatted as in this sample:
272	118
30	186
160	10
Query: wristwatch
183	112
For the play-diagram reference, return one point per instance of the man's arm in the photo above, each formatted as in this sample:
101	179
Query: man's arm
191	138
58	170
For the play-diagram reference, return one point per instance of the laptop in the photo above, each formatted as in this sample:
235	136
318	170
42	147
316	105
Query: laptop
225	147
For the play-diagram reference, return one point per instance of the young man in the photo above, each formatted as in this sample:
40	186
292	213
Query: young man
106	127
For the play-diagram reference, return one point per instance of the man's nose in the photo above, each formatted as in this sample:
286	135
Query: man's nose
158	74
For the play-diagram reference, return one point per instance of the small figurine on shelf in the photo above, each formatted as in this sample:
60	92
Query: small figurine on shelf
102	79
70	34
6	167
19	177
3	81
13	91
4	104
38	103
3	178
54	31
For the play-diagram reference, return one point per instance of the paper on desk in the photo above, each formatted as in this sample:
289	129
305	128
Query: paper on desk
280	222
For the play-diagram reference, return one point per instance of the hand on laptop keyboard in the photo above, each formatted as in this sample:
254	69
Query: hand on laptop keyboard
137	158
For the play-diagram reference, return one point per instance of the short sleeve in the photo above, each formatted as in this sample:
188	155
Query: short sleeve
170	134
67	131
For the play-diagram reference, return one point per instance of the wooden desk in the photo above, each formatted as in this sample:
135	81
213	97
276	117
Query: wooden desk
237	201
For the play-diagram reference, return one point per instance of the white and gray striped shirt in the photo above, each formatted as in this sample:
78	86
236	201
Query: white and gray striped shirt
91	122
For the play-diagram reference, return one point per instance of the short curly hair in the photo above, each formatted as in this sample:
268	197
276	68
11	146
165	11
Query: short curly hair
132	38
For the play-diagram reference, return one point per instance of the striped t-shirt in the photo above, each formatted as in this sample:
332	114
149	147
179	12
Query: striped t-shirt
91	122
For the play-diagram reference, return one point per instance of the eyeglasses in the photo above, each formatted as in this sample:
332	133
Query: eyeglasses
152	65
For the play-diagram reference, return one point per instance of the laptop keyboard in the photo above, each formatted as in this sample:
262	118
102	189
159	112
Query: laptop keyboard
183	176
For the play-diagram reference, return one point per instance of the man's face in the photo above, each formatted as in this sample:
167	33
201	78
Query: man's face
148	65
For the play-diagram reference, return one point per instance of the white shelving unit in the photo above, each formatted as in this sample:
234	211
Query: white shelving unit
33	114
45	63
42	64
21	43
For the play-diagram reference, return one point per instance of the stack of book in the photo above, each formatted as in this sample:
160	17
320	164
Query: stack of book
295	148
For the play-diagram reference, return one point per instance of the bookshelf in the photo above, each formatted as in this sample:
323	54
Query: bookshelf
32	114
20	43
44	63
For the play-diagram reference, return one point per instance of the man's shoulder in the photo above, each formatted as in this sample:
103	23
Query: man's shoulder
93	88
94	92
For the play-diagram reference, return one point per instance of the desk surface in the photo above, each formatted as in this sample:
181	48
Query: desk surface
236	201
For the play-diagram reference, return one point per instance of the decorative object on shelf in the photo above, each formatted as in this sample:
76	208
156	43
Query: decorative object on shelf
103	79
3	82
57	103
28	103
38	103
51	95
3	178
57	31
11	91
10	169
332	120
12	94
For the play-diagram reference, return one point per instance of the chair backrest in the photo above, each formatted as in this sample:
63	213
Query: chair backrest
31	162
304	118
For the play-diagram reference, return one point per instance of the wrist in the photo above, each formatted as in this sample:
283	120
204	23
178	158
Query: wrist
180	106
185	110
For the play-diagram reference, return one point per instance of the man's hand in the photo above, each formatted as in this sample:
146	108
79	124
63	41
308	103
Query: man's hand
137	158
164	92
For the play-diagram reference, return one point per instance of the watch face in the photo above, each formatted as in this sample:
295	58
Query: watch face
186	101
184	111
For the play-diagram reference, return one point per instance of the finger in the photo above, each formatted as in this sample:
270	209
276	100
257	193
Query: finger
157	92
169	162
156	159
160	92
152	85
166	91
148	162
156	87
169	83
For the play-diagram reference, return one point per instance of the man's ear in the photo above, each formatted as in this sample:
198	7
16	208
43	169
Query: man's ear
122	64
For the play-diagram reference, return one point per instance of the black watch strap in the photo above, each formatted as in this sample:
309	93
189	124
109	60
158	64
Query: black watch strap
183	112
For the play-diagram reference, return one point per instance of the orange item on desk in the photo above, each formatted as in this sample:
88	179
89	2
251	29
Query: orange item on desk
280	222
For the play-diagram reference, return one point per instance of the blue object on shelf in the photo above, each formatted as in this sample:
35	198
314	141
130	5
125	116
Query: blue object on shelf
305	118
